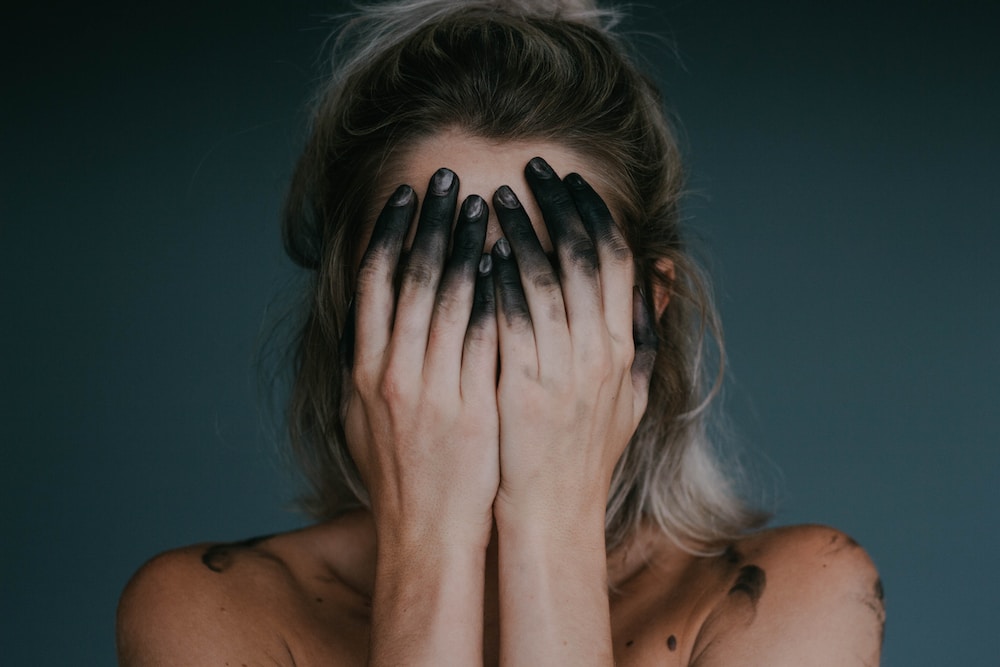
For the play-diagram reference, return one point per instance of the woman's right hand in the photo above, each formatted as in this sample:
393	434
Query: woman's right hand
421	419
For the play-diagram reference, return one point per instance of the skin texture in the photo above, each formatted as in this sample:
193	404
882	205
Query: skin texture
491	395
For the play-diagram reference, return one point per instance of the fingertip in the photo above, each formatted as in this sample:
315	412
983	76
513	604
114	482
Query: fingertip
402	196
474	207
505	197
443	181
501	248
537	167
485	265
575	181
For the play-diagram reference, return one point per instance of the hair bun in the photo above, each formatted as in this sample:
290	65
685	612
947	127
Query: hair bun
416	13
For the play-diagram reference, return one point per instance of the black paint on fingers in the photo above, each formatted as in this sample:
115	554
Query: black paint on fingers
644	335
510	298
483	304
430	243
390	227
520	234
467	245
570	238
597	218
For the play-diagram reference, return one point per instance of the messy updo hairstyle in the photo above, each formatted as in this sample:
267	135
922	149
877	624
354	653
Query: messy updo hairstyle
506	70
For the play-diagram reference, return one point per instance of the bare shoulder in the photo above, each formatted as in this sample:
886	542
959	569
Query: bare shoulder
257	601
798	595
177	609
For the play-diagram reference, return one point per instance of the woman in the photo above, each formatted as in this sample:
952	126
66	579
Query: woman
500	407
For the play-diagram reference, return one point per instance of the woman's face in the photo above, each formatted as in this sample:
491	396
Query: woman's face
483	166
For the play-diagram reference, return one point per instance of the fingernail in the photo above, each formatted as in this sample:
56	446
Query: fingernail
485	264
442	180
541	167
574	180
473	207
502	248
401	196
507	197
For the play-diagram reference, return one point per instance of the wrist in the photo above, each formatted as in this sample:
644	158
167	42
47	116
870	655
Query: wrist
558	512
548	528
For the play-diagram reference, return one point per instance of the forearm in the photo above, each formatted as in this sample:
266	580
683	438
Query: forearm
553	591
427	605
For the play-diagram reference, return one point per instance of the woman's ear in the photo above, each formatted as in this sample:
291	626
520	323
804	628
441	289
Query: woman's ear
661	291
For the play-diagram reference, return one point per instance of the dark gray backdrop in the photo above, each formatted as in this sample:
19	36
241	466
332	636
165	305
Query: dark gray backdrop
843	173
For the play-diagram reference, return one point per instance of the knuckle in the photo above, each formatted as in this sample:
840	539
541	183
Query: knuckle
419	274
615	245
582	254
597	362
391	387
545	279
363	380
449	305
370	274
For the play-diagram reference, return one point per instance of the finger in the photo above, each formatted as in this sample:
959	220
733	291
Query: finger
479	357
516	338
646	344
576	255
613	254
375	296
455	294
538	280
424	265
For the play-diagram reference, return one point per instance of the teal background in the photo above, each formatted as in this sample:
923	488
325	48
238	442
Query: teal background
843	177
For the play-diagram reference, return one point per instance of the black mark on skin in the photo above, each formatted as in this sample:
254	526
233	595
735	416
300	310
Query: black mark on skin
531	259
597	219
644	335
218	557
731	555
876	603
750	581
509	293
629	642
466	255
839	542
672	643
574	246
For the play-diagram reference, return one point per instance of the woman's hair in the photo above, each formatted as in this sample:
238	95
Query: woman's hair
507	70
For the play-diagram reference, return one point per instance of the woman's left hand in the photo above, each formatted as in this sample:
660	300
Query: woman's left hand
577	345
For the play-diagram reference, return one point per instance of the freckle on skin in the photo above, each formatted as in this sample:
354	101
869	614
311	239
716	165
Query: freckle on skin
319	599
629	642
672	643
